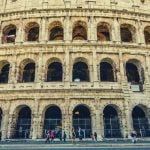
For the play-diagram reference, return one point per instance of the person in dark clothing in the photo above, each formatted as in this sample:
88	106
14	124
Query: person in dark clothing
95	136
64	136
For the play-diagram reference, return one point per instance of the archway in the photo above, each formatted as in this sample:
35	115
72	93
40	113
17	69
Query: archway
56	33
127	32
32	31
80	72
103	32
9	34
55	72
53	120
140	122
79	31
106	72
82	119
132	73
4	74
29	73
147	34
23	124
111	123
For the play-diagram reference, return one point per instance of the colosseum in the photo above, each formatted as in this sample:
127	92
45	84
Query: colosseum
74	63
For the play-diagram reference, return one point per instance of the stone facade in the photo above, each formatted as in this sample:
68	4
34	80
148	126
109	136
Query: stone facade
95	94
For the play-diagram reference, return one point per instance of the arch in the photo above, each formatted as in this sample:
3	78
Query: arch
140	121
56	31
103	31
82	119
80	72
32	31
79	31
134	71
111	122
9	34
4	71
147	34
53	120
107	71
54	72
127	33
27	71
23	122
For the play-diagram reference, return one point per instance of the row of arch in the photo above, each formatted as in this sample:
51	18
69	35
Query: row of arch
81	117
80	71
79	32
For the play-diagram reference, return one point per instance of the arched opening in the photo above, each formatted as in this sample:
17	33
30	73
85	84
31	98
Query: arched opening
23	124
82	119
29	73
9	34
140	122
80	72
53	120
32	32
132	73
79	31
55	72
127	33
103	33
147	35
4	73
111	123
106	72
56	33
1	116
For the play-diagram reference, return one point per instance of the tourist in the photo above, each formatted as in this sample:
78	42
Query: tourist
73	136
80	133
133	136
95	136
64	136
52	135
47	136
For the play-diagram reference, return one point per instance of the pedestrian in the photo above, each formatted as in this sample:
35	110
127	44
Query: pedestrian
133	136
92	136
64	136
80	134
95	136
60	135
73	136
52	135
47	136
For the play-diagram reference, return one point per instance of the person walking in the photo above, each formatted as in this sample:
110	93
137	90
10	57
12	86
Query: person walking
73	136
80	134
47	136
64	136
133	136
95	136
52	135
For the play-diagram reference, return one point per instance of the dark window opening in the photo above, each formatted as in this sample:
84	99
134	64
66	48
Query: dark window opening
23	123
111	123
103	33
80	72
55	72
4	74
126	35
9	35
140	122
33	34
1	115
147	36
79	33
29	73
56	34
82	119
132	73
106	72
53	120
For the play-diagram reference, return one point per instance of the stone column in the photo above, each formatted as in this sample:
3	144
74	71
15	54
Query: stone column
95	73
43	33
20	33
40	71
116	31
67	77
147	71
5	120
34	121
140	33
67	29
